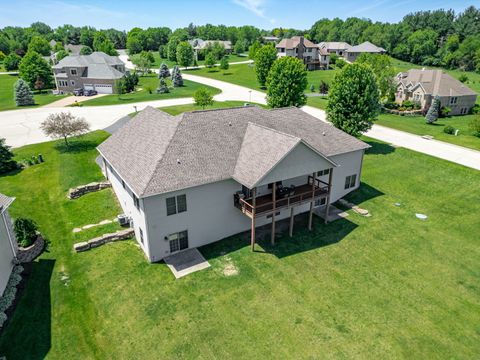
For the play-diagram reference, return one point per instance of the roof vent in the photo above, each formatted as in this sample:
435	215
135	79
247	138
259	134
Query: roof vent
229	123
178	161
323	133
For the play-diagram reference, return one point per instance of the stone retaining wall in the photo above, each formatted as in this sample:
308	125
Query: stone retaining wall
29	254
81	190
104	239
404	113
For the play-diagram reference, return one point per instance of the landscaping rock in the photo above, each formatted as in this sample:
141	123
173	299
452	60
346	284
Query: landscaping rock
81	190
96	242
81	246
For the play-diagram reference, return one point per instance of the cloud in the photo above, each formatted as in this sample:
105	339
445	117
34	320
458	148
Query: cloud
255	6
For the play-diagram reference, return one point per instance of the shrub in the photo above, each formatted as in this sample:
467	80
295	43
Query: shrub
333	58
475	109
340	63
25	231
391	105
8	297
463	78
323	87
3	318
312	88
203	97
444	111
449	130
474	125
408	105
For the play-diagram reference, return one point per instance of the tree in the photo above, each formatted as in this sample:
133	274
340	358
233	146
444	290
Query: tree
103	44
252	50
422	44
209	60
130	80
323	87
39	85
11	62
61	54
286	82
7	163
172	49
22	93
39	45
162	51
264	59
86	50
239	47
184	54
63	125
25	231
162	87
203	97
33	67
144	61
353	99
163	72
434	111
177	79
383	70
224	63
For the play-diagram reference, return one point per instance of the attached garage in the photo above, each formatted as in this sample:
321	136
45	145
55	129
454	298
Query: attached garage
88	87
104	88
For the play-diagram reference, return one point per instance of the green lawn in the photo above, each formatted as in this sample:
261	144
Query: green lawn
385	286
178	109
158	60
417	125
143	95
6	94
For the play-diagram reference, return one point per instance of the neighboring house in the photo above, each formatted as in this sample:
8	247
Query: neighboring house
52	43
8	244
270	39
312	56
199	45
73	49
422	86
352	53
335	47
97	71
196	178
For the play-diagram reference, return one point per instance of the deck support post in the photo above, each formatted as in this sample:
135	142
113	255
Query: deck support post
252	236
290	230
310	215
274	207
327	206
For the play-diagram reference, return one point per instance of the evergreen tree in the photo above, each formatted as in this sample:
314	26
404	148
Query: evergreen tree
177	78
163	72
162	87
286	83
174	70
6	158
434	111
22	93
353	99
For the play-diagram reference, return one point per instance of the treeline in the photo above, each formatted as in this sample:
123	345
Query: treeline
437	38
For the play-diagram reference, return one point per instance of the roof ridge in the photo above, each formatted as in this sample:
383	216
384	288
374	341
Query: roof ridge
220	109
274	130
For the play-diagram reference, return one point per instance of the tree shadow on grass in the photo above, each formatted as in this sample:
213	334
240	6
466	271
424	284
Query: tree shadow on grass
28	332
76	145
379	148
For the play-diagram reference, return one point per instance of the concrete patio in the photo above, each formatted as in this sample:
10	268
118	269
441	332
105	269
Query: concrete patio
186	262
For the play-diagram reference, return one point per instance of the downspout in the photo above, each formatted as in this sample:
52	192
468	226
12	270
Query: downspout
9	235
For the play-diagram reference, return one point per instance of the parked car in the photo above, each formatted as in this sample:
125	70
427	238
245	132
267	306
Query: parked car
90	92
78	92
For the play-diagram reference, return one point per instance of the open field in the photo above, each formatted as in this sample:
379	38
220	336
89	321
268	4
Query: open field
417	125
7	101
386	286
170	64
142	93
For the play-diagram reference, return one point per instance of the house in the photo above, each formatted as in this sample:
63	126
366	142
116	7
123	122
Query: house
353	52
335	47
8	244
312	56
193	179
199	45
73	49
423	85
270	39
97	71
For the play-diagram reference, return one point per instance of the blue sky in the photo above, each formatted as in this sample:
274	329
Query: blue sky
266	14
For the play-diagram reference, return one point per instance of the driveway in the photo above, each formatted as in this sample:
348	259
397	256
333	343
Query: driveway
69	100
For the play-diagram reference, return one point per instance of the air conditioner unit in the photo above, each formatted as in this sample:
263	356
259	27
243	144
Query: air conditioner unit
123	220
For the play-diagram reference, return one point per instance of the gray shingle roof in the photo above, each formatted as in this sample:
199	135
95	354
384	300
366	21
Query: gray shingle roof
98	65
157	153
366	47
434	82
294	42
334	45
5	201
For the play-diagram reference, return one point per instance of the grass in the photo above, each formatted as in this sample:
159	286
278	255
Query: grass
178	109
143	95
7	101
386	286
170	64
417	125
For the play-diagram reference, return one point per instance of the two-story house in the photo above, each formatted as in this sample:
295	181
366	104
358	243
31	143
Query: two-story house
312	56
97	71
423	85
193	179
8	244
335	47
352	53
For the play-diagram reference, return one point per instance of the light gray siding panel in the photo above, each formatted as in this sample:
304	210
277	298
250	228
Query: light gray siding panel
6	254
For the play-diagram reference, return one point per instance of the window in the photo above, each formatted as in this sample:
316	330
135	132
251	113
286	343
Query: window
453	100
176	204
323	172
62	83
350	181
72	83
136	201
320	202
178	241
141	235
73	71
463	111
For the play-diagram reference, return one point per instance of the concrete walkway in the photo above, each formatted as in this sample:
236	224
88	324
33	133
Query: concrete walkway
69	100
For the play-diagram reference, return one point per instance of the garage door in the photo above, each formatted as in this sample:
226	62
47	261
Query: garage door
88	87
104	89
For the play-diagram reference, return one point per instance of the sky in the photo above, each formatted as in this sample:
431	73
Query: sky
265	14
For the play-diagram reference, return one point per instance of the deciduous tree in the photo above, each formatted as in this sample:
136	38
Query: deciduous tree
184	54
33	67
64	125
264	59
203	97
209	60
39	45
11	62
